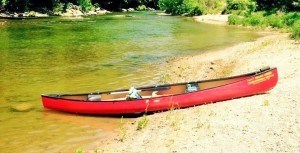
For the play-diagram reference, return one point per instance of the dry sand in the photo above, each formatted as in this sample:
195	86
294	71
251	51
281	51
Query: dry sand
261	123
212	19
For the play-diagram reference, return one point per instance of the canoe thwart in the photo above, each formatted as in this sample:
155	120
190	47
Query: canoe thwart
157	88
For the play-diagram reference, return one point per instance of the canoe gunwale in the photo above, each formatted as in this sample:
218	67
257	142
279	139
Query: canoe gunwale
247	76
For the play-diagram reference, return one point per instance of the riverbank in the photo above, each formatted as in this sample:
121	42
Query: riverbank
212	19
261	123
72	11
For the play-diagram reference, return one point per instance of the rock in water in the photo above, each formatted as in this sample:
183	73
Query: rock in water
22	107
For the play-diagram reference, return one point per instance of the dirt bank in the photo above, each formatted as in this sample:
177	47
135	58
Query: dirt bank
262	123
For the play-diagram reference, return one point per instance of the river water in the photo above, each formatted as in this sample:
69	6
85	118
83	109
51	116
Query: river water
96	53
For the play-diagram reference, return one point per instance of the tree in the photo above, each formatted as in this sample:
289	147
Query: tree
17	5
281	5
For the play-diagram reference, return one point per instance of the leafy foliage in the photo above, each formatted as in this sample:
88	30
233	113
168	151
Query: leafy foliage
142	123
241	7
287	21
291	18
86	5
275	20
212	6
123	130
2	4
79	150
142	8
17	5
170	6
278	5
296	30
58	7
190	7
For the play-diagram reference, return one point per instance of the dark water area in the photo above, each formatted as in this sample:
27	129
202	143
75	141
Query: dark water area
95	53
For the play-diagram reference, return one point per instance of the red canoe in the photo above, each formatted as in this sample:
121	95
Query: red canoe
179	95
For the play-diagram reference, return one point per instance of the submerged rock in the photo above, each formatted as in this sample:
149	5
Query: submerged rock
22	107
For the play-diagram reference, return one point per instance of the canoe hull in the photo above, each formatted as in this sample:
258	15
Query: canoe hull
256	84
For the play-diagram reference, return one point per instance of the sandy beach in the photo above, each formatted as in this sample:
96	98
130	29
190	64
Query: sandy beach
212	19
261	123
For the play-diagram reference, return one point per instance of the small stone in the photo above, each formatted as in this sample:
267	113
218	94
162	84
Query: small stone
22	107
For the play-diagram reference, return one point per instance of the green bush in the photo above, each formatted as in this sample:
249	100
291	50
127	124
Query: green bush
58	7
259	19
142	123
235	20
275	21
2	4
212	6
141	8
291	18
86	5
296	30
279	5
190	7
170	6
79	150
241	7
69	5
253	20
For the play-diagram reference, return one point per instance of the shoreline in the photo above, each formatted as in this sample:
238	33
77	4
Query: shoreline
71	11
212	19
261	123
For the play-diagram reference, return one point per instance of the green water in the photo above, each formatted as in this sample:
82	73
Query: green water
73	55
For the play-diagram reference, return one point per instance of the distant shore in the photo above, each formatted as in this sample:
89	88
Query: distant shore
212	19
74	11
261	123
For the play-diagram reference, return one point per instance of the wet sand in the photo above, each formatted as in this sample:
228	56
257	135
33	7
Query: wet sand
260	123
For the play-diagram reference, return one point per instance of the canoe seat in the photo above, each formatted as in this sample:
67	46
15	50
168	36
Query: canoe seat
191	87
94	97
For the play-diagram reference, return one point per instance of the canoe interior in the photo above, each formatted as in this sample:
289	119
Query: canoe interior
150	92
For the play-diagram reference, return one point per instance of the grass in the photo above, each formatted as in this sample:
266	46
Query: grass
212	6
142	123
266	102
289	22
123	130
174	118
98	151
79	150
296	30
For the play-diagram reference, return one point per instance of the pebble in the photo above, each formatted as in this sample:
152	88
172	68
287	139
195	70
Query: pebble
22	107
